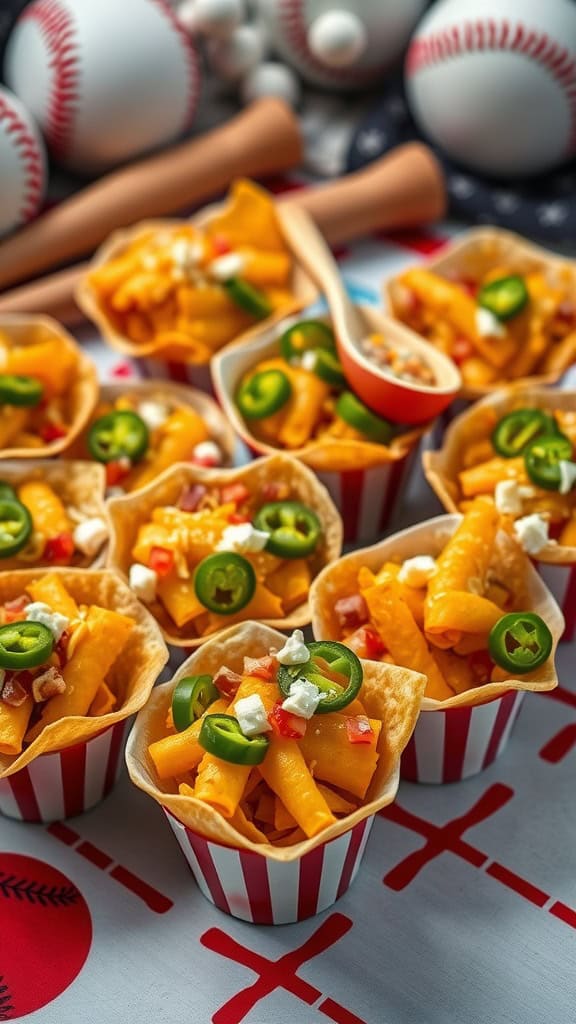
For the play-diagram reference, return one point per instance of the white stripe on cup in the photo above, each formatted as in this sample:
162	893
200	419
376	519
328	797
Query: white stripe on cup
332	483
520	694
97	750
556	578
46	777
332	865
479	736
362	847
8	804
229	870
283	881
188	851
429	742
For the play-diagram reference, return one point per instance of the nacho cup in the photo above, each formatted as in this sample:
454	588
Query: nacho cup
80	485
25	329
259	882
72	763
556	563
365	480
477	251
128	513
461	736
174	362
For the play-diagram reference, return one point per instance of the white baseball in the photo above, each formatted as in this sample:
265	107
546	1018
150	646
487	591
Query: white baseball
238	54
493	83
22	164
271	79
216	18
340	44
105	79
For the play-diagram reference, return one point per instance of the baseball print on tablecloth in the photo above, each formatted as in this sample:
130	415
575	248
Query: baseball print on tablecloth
22	164
50	934
106	80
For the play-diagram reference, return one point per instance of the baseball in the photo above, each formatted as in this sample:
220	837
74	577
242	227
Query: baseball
340	44
493	83
22	165
271	79
216	18
105	80
239	54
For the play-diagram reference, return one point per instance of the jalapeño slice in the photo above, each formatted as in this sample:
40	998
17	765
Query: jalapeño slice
225	583
359	416
222	736
306	336
17	389
192	696
25	645
15	527
333	668
263	394
505	297
293	527
117	435
542	459
515	431
249	298
520	642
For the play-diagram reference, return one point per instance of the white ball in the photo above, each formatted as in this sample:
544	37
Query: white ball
236	56
337	38
106	80
23	172
493	83
298	36
271	79
212	17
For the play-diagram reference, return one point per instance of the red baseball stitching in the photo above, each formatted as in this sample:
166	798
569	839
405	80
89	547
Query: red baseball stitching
291	18
30	157
189	57
58	32
488	34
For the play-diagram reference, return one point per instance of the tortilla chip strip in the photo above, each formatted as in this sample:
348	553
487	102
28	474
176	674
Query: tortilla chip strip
13	725
288	775
181	752
349	766
51	590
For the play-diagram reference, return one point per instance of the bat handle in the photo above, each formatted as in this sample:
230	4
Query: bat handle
401	190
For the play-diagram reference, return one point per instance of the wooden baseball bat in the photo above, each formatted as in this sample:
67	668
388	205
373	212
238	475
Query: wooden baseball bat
403	189
263	139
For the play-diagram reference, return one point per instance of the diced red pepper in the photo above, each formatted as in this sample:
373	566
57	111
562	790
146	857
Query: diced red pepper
366	643
50	431
469	285
263	668
351	612
274	491
59	549
161	560
285	724
462	349
481	665
237	518
13	611
226	681
116	471
234	494
220	245
191	497
359	730
205	461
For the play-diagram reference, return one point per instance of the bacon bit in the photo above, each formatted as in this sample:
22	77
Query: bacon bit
13	693
274	492
191	497
351	612
220	245
285	724
117	470
237	517
50	431
462	349
61	649
226	681
48	684
359	730
161	560
366	643
13	611
481	665
262	668
59	549
234	494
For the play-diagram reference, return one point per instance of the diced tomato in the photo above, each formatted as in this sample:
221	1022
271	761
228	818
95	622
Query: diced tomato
366	643
13	611
191	497
13	693
274	491
237	517
161	560
226	681
285	724
50	431
462	349
220	245
116	471
262	668
59	549
482	665
351	612
359	730
469	285
234	494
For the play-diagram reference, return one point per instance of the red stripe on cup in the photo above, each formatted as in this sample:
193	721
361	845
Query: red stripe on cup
204	858
561	582
456	732
73	768
23	791
409	764
351	489
310	877
569	606
254	869
352	856
119	736
506	708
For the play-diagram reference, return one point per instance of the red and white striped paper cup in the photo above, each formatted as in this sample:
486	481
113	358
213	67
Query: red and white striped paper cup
260	890
451	745
561	582
67	782
198	376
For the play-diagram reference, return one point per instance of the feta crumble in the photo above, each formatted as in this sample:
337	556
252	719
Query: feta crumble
531	532
251	715
417	571
294	651
143	582
567	476
153	413
242	538
488	325
90	535
228	266
303	699
38	611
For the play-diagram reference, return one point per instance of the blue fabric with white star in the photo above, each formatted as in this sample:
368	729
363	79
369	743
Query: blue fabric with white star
543	208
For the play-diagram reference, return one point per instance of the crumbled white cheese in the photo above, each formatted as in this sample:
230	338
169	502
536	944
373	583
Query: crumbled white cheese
294	651
186	254
309	360
37	611
115	492
567	476
417	571
508	498
153	413
242	538
228	266
303	699
208	452
251	715
488	325
532	533
90	535
143	582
